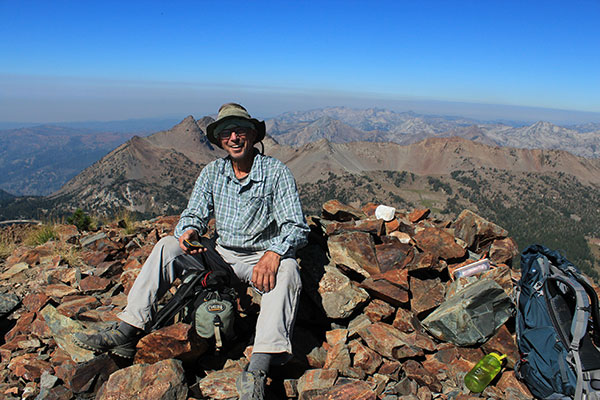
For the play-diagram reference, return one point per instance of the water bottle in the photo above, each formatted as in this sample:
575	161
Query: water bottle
483	372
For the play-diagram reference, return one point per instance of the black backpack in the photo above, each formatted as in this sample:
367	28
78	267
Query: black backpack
557	324
205	299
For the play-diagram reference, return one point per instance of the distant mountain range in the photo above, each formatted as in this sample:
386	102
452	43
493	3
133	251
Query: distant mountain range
155	174
40	160
340	125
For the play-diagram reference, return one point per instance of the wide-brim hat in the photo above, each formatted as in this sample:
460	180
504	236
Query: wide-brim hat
229	113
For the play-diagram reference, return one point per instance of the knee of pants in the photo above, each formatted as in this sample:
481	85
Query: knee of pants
289	275
169	244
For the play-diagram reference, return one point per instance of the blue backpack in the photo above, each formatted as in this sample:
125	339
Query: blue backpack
557	325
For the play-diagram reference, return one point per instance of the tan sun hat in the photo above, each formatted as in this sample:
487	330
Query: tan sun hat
232	115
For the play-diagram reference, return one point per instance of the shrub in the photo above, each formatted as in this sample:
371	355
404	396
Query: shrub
81	220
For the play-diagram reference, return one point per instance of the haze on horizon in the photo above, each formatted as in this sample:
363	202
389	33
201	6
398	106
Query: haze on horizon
78	61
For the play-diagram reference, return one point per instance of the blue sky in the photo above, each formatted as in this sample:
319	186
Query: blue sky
92	60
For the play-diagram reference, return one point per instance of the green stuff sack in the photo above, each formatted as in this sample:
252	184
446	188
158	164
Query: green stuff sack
215	315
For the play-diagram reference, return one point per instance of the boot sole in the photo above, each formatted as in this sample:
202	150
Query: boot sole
123	352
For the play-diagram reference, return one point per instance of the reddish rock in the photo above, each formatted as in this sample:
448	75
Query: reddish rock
67	233
335	210
508	383
390	368
59	290
354	250
393	255
404	320
503	342
349	391
369	209
28	366
383	289
374	226
316	379
81	377
475	231
75	307
128	278
418	214
132	264
502	251
438	362
392	226
22	326
389	341
109	269
34	302
336	336
66	275
93	258
365	358
161	381
439	243
93	284
175	341
338	294
415	371
378	310
426	294
39	328
423	261
220	384
338	358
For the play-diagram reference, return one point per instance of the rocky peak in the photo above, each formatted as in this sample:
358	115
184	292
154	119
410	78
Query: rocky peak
374	320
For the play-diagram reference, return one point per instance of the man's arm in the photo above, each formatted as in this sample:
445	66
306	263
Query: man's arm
293	232
194	219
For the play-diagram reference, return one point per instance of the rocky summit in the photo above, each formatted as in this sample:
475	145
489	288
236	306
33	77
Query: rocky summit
381	314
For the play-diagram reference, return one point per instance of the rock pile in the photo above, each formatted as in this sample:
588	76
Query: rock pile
381	315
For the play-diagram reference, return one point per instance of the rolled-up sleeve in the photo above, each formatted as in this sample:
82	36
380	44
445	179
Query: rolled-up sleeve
200	206
287	210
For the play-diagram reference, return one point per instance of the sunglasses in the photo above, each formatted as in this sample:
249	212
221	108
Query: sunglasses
240	131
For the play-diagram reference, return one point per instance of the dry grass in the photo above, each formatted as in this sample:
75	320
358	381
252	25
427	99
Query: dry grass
6	247
40	235
69	254
127	221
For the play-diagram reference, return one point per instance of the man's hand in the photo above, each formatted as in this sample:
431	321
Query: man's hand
265	271
190	234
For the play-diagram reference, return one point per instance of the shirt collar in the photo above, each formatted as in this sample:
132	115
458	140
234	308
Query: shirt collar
256	173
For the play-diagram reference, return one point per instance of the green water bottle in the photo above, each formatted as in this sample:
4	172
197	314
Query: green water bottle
483	372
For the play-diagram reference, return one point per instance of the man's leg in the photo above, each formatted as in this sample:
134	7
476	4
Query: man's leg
275	322
157	274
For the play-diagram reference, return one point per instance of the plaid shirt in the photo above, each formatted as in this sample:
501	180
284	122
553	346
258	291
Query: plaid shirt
261	213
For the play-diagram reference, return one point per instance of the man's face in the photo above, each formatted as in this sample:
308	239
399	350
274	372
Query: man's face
238	142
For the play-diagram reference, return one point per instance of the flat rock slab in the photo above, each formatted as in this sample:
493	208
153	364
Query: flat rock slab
475	231
63	329
220	385
440	243
349	391
337	211
354	250
339	296
472	315
164	380
174	341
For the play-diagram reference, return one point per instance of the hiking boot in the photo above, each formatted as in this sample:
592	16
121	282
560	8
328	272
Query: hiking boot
111	340
251	385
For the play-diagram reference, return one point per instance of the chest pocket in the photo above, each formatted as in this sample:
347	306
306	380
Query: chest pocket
255	210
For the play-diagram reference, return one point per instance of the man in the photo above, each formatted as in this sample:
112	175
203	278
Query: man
260	225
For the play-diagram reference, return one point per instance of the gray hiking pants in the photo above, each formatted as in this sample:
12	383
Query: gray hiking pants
277	310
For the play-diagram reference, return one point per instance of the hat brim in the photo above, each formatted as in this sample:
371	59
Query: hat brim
259	127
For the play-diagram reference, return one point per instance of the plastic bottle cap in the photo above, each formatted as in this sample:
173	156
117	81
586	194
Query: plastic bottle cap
498	356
